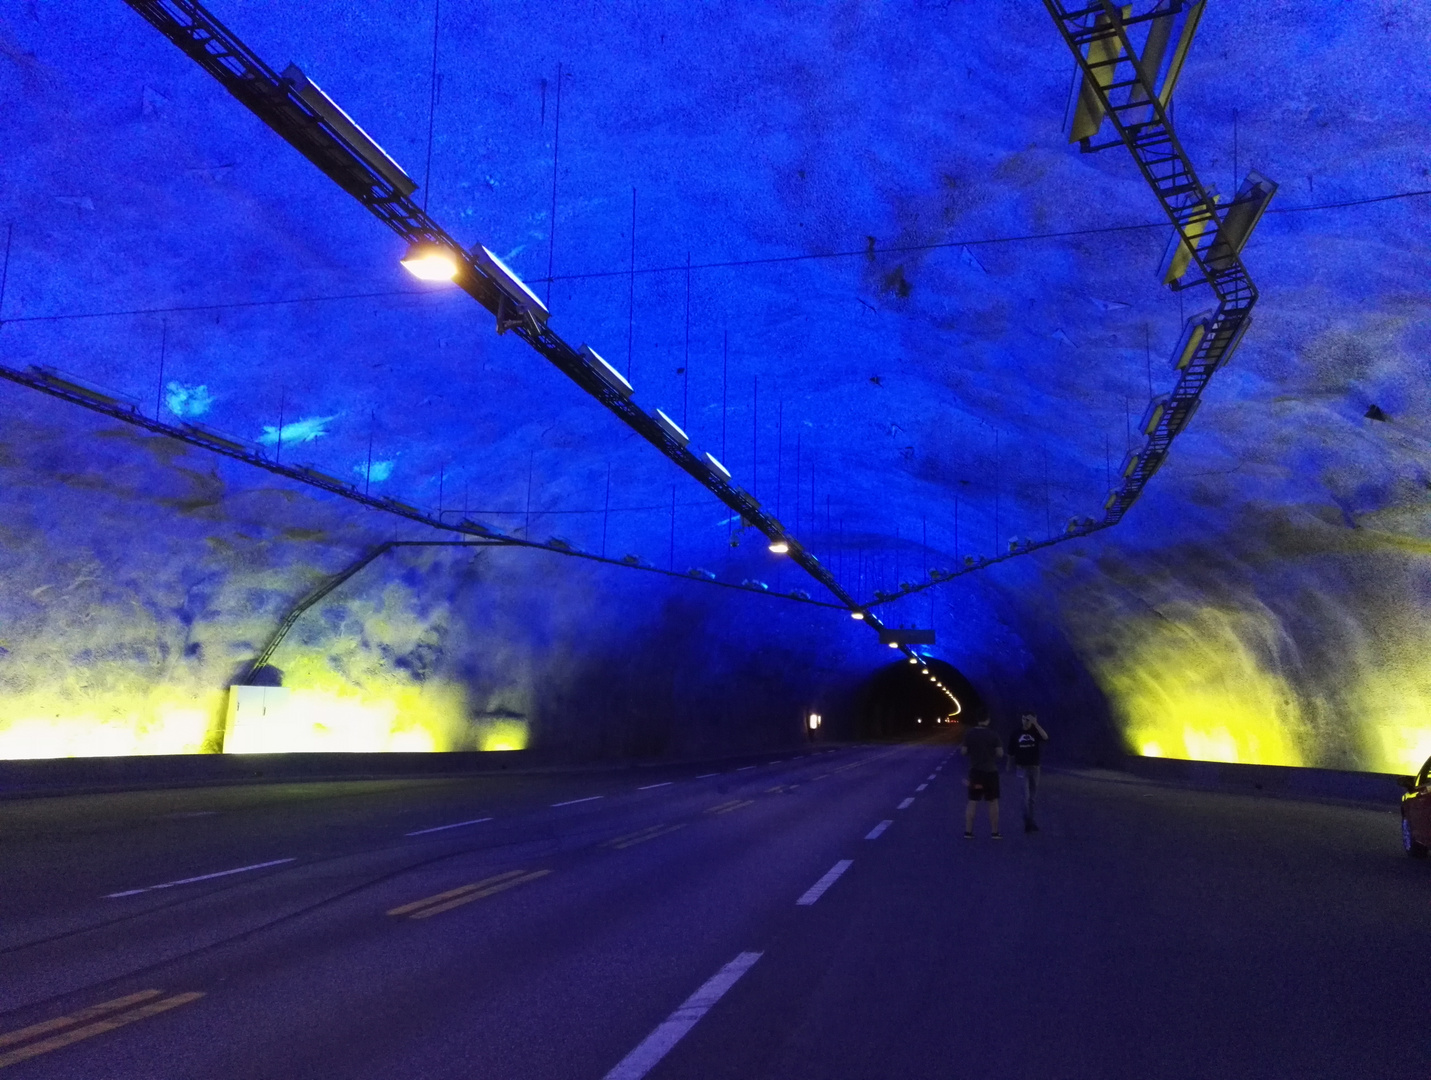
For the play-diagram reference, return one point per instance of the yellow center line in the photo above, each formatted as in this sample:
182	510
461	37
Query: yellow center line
450	893
649	836
24	1053
491	890
10	1038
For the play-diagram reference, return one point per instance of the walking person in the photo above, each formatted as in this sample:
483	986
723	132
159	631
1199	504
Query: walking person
1026	749
983	747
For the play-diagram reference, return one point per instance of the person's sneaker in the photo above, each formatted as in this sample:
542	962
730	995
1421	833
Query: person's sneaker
997	836
968	836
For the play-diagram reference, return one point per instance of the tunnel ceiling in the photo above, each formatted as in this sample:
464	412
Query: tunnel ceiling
952	316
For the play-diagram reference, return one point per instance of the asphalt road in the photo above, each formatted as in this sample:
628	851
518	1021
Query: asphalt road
749	924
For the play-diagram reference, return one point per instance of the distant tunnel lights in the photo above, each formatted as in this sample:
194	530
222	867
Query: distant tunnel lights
427	262
815	721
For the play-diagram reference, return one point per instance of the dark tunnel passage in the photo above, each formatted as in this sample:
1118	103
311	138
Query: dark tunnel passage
907	698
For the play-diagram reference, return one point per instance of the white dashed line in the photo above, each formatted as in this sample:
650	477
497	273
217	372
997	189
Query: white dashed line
454	825
921	787
878	830
931	775
707	775
673	1029
744	767
663	783
573	802
201	877
817	890
906	804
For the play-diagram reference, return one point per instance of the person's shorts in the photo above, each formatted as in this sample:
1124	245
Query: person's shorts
983	786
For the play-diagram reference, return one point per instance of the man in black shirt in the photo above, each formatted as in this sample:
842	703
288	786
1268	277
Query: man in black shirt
1026	748
983	748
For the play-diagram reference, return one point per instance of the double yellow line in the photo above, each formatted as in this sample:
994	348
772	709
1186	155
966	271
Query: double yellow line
454	898
642	836
80	1026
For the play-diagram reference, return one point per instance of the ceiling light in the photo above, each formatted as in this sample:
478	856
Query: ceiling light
605	372
428	262
859	615
894	644
347	129
779	547
512	287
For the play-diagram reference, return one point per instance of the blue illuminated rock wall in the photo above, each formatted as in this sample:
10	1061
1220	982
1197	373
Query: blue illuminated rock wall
956	377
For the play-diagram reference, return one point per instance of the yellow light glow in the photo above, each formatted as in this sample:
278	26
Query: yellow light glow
857	615
780	547
1192	685
428	263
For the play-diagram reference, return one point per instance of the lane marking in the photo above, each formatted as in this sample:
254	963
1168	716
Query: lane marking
663	783
878	830
201	877
931	775
744	767
10	1038
707	775
154	1008
623	842
906	804
454	825
573	802
734	804
817	890
922	786
673	1029
454	898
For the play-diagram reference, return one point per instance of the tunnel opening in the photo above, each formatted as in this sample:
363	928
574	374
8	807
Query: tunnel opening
908	699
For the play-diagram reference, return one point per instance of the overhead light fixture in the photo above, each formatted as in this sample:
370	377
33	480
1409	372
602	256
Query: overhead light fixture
925	671
781	547
912	660
670	427
605	372
347	129
512	287
428	262
716	467
857	615
894	644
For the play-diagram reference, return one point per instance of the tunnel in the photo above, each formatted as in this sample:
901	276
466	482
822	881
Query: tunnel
916	696
694	540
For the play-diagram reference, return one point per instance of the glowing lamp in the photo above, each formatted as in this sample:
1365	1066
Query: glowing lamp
894	644
781	547
857	615
428	262
720	471
925	671
912	660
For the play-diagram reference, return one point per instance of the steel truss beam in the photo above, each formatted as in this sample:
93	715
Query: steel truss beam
119	409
